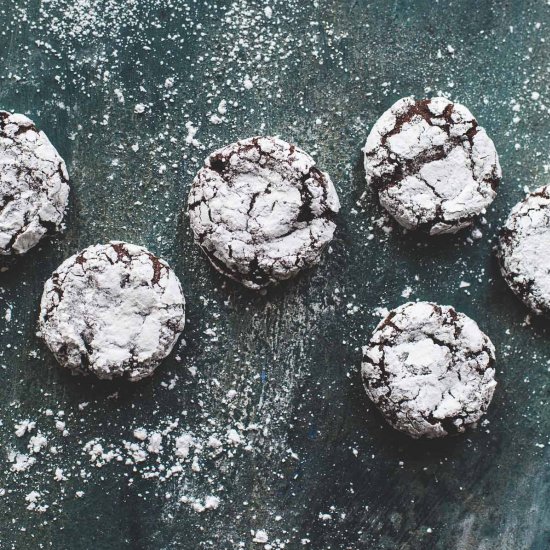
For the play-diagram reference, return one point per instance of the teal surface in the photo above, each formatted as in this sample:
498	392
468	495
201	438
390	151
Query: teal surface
322	470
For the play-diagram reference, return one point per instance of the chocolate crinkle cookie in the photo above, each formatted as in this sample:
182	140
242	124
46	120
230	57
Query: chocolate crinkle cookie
524	250
33	185
262	211
429	369
433	167
114	310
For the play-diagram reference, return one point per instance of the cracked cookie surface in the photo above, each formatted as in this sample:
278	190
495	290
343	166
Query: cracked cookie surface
34	186
114	310
429	370
524	245
262	211
433	167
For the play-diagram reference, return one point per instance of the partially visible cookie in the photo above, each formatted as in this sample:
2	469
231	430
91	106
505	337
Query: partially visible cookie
262	211
114	310
429	370
34	186
433	167
524	250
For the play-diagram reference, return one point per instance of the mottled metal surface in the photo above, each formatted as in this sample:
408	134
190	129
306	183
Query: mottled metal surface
295	349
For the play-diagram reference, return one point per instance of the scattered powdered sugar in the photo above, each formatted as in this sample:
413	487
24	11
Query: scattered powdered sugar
37	443
183	445
139	109
20	462
260	536
21	428
165	451
209	503
191	133
140	433
89	36
155	443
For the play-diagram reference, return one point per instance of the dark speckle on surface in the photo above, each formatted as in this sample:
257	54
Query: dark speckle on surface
305	460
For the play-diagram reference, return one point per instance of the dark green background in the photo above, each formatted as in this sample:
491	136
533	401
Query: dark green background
487	490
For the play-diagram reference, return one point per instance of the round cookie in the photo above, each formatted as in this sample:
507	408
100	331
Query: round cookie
524	250
114	310
262	211
433	167
429	370
33	185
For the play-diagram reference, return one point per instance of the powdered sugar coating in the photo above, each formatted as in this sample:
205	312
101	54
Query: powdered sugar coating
33	185
429	370
433	167
114	310
262	211
524	250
